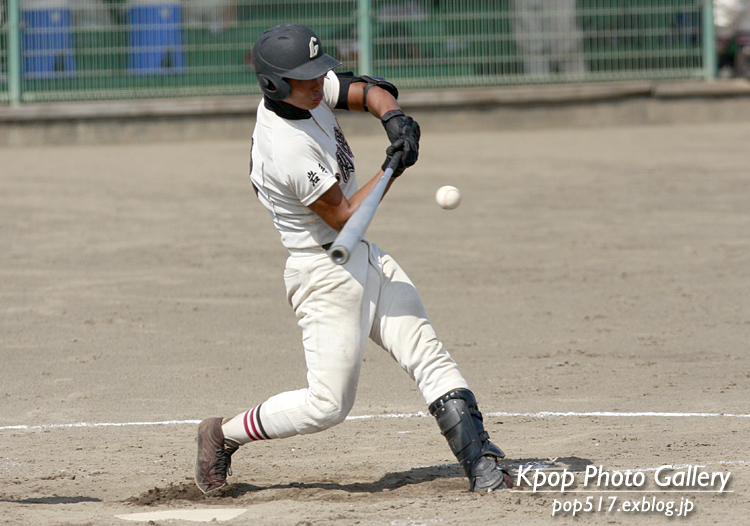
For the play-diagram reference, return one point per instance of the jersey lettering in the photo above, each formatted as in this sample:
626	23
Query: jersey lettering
341	141
345	164
313	177
344	157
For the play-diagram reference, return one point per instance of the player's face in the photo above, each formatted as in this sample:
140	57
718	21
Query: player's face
306	94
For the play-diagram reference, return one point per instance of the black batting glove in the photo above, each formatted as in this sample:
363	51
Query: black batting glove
397	146
400	127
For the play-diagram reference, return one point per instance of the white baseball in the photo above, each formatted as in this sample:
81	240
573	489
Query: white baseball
448	197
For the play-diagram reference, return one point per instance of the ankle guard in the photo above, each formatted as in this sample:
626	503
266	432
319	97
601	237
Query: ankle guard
460	422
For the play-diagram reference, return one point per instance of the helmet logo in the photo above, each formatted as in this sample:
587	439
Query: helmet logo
313	48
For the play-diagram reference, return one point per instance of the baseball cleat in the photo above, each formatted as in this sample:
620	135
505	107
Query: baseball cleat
487	475
214	461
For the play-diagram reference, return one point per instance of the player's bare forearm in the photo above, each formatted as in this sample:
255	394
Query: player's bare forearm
335	209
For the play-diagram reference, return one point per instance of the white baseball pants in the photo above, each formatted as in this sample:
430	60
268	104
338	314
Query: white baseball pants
338	308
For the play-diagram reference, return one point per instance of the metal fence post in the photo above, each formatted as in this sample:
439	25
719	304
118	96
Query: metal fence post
364	32
14	51
709	41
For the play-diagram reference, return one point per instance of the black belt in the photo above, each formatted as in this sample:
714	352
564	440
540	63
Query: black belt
327	246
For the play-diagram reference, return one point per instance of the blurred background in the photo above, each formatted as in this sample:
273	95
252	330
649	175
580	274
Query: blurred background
55	50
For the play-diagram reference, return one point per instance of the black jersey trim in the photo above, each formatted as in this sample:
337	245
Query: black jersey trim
286	110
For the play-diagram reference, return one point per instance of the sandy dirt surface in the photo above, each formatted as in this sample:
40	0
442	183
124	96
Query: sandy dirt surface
593	287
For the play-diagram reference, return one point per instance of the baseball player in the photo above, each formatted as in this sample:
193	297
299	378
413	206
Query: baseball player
547	36
732	25
302	170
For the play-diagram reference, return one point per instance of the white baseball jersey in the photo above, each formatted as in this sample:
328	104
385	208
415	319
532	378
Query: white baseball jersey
294	162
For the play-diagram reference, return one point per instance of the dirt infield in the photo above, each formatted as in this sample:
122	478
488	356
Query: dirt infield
593	287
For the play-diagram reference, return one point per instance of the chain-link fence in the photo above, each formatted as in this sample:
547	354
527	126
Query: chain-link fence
3	52
108	49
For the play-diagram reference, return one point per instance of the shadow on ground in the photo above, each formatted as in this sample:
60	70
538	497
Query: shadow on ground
326	490
52	500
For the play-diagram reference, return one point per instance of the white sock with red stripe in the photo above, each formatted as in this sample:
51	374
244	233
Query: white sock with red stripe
245	427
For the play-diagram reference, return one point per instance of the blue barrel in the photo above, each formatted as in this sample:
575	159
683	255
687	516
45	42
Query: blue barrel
47	43
155	39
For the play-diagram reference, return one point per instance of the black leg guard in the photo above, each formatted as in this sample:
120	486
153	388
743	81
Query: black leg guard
460	421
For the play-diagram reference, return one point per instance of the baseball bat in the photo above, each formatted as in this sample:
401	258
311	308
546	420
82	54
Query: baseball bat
355	227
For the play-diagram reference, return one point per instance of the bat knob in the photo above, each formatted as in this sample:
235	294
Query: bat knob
339	254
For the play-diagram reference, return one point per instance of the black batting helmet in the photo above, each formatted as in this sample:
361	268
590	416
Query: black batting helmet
290	51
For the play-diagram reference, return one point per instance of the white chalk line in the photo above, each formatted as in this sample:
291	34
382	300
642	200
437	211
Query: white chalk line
419	414
97	424
545	414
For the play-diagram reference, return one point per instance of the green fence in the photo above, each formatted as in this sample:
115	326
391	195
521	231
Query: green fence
112	49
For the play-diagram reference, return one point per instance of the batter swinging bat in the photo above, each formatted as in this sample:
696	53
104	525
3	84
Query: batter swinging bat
354	229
